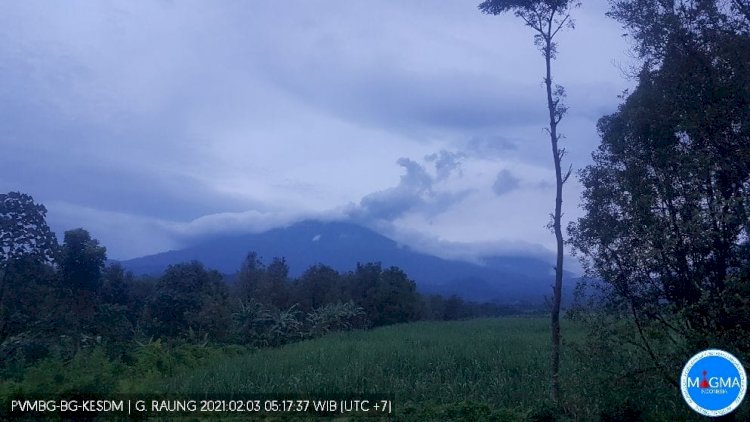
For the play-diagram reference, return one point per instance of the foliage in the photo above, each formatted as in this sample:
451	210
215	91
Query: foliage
28	297
318	285
81	261
336	317
115	285
259	325
387	296
88	374
667	199
283	326
27	245
277	282
657	26
24	230
267	284
545	17
491	369
113	328
439	308
464	410
480	360
248	319
186	297
666	202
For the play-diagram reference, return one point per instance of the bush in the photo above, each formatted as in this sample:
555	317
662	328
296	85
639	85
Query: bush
90	373
258	325
335	317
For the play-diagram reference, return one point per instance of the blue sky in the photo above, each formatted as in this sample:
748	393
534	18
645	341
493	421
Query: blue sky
153	123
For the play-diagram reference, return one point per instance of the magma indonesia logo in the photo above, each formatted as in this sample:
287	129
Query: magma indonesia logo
713	382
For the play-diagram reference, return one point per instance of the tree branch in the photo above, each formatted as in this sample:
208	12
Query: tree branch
526	20
567	174
559	27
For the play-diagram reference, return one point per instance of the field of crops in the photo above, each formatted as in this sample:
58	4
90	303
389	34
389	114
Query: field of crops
471	370
489	369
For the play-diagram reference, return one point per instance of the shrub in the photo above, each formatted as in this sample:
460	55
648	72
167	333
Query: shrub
335	317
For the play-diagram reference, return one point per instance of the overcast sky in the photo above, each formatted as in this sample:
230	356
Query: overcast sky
152	123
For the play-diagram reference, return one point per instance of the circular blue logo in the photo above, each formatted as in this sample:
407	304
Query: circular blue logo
713	382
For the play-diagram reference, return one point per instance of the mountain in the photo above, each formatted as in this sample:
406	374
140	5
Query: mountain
343	245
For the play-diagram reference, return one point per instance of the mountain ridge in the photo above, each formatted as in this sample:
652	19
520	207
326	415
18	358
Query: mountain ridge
340	245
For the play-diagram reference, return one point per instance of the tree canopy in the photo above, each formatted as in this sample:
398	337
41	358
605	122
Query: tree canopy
24	230
667	199
545	17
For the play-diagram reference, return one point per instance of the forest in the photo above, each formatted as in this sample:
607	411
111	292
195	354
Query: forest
60	299
63	301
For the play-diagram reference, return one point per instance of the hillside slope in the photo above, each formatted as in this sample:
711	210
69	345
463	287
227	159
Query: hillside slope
343	245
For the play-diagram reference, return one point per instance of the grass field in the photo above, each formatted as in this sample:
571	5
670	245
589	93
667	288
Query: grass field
474	370
482	360
489	369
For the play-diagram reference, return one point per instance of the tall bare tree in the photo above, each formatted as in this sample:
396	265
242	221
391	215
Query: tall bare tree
547	18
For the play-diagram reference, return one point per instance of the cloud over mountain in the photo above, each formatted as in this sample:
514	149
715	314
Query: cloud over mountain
154	123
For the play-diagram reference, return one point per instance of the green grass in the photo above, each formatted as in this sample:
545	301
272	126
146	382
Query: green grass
486	369
476	370
480	359
497	367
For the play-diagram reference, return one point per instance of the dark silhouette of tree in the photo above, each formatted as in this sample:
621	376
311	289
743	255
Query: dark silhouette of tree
30	300
453	308
277	283
268	285
82	261
667	203
318	286
81	264
24	230
27	245
547	18
360	285
140	292
116	284
387	296
189	298
395	298
250	278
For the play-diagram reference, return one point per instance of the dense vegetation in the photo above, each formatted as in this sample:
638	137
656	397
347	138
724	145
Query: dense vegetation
491	369
478	370
667	199
62	306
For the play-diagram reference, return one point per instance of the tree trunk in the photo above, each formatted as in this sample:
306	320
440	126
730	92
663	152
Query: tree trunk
557	289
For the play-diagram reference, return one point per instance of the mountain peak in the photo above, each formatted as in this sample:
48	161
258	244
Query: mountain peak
342	245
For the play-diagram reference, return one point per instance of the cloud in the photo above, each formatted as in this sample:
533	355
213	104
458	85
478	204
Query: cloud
446	162
396	100
129	235
490	146
152	123
417	190
505	182
124	235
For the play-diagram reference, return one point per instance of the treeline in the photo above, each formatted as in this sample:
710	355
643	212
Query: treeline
58	300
